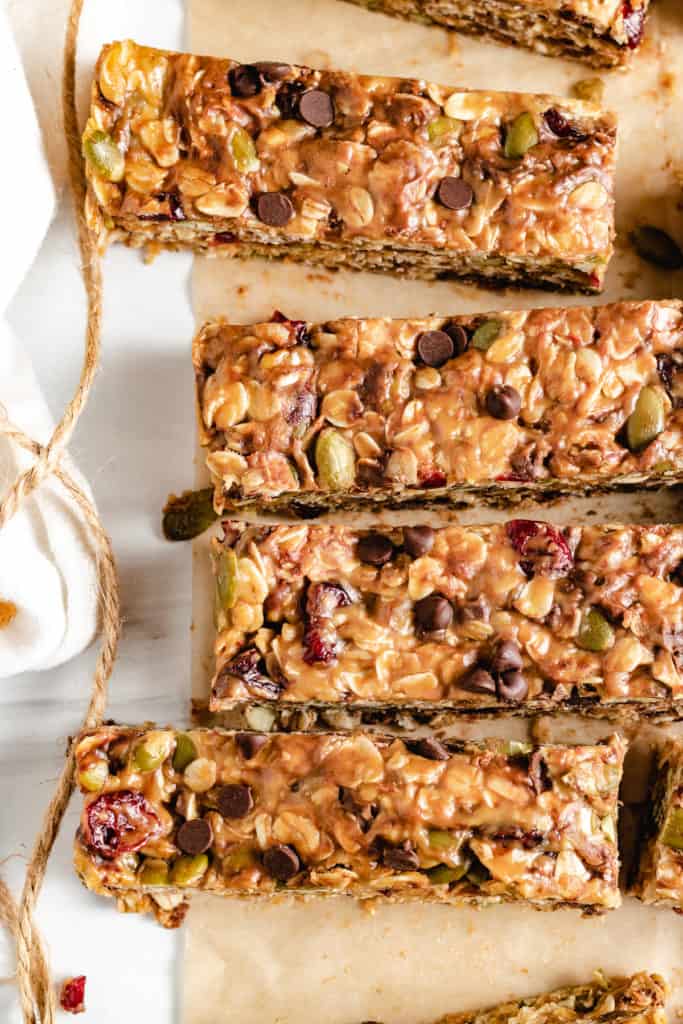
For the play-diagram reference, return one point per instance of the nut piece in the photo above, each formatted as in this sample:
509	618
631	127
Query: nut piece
200	775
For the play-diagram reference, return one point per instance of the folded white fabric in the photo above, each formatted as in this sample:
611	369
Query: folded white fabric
47	565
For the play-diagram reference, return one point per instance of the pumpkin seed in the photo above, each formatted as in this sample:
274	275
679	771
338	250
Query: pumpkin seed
595	632
521	136
486	334
189	870
104	156
335	459
647	420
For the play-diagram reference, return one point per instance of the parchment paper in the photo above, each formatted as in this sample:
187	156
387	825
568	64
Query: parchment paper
331	961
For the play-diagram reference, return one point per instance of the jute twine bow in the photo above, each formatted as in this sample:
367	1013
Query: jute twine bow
36	992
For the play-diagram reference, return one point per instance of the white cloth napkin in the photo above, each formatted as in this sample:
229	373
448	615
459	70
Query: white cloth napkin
47	565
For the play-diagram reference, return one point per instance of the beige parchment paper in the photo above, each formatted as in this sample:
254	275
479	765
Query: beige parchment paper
332	961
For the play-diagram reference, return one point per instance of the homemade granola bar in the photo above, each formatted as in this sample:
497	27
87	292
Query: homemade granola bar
639	999
659	877
515	618
603	33
301	417
374	173
249	814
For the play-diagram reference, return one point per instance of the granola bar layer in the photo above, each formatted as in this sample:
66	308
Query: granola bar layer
515	618
346	170
603	33
249	814
640	999
659	877
302	417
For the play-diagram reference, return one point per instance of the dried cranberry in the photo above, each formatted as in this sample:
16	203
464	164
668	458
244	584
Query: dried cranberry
72	997
539	776
120	823
223	238
542	548
561	126
299	328
321	642
432	478
634	23
300	408
247	666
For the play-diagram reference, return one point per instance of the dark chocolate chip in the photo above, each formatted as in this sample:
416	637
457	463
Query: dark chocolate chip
249	743
512	686
245	81
281	862
274	209
375	549
316	108
400	858
194	836
429	747
477	680
434	347
458	336
272	70
418	540
503	403
454	193
507	657
433	613
234	801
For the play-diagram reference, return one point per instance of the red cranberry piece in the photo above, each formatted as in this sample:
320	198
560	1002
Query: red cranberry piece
320	640
432	478
634	24
247	666
72	996
119	823
561	126
542	548
298	328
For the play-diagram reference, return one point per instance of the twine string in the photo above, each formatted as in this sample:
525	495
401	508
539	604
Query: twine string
36	993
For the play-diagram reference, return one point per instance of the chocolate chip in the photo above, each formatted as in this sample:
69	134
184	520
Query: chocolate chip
433	613
512	686
400	858
507	657
434	347
429	747
477	680
418	540
274	209
245	81
316	108
194	836
234	801
503	403
272	70
454	193
249	743
375	549
281	862
458	336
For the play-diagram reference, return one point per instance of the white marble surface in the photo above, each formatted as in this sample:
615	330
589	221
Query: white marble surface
135	443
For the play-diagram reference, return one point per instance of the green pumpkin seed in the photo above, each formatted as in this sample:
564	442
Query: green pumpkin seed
439	840
239	859
94	776
442	874
521	136
672	833
486	334
187	516
185	752
189	870
243	151
104	156
655	246
152	752
440	127
153	873
595	632
647	420
590	89
335	459
226	579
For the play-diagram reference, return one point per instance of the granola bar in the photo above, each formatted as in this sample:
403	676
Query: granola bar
604	33
301	417
515	618
248	814
639	999
348	170
659	875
